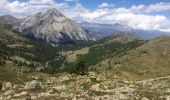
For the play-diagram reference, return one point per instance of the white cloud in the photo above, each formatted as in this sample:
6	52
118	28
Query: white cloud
151	8
126	16
105	5
41	2
136	16
21	9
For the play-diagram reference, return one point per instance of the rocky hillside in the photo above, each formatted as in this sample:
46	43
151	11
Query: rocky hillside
91	86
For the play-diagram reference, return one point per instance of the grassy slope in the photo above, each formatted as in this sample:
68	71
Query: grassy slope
16	50
97	53
149	60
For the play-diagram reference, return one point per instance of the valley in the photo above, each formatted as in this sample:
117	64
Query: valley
49	56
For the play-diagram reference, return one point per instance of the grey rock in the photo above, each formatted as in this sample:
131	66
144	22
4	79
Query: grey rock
53	27
7	86
9	93
60	88
21	94
0	86
51	80
144	98
53	91
33	85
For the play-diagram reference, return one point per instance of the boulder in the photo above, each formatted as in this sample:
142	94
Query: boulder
64	78
21	94
53	91
9	93
64	95
51	80
99	78
60	88
83	79
97	87
0	86
6	86
92	75
27	97
144	98
18	86
33	85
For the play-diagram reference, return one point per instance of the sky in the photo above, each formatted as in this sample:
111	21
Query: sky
138	14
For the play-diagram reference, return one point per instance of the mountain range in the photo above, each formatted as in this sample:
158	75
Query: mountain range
105	30
53	27
50	26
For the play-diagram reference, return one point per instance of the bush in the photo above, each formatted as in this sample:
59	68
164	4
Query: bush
79	67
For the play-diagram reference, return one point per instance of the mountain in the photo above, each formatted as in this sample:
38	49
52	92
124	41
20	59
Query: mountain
149	34
7	19
118	37
104	30
117	68
53	27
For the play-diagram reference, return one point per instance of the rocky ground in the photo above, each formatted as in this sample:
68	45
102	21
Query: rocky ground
88	87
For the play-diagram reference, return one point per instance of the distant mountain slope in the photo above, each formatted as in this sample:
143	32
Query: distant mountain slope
104	30
146	34
7	19
118	37
53	27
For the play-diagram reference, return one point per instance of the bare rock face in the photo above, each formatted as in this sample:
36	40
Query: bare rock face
53	27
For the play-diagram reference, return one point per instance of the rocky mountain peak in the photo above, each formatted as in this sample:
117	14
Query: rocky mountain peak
54	12
53	27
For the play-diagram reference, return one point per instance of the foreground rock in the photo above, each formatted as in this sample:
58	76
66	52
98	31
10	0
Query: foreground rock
75	87
34	85
0	86
6	86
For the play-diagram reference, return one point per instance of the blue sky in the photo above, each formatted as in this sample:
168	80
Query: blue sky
138	14
92	4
